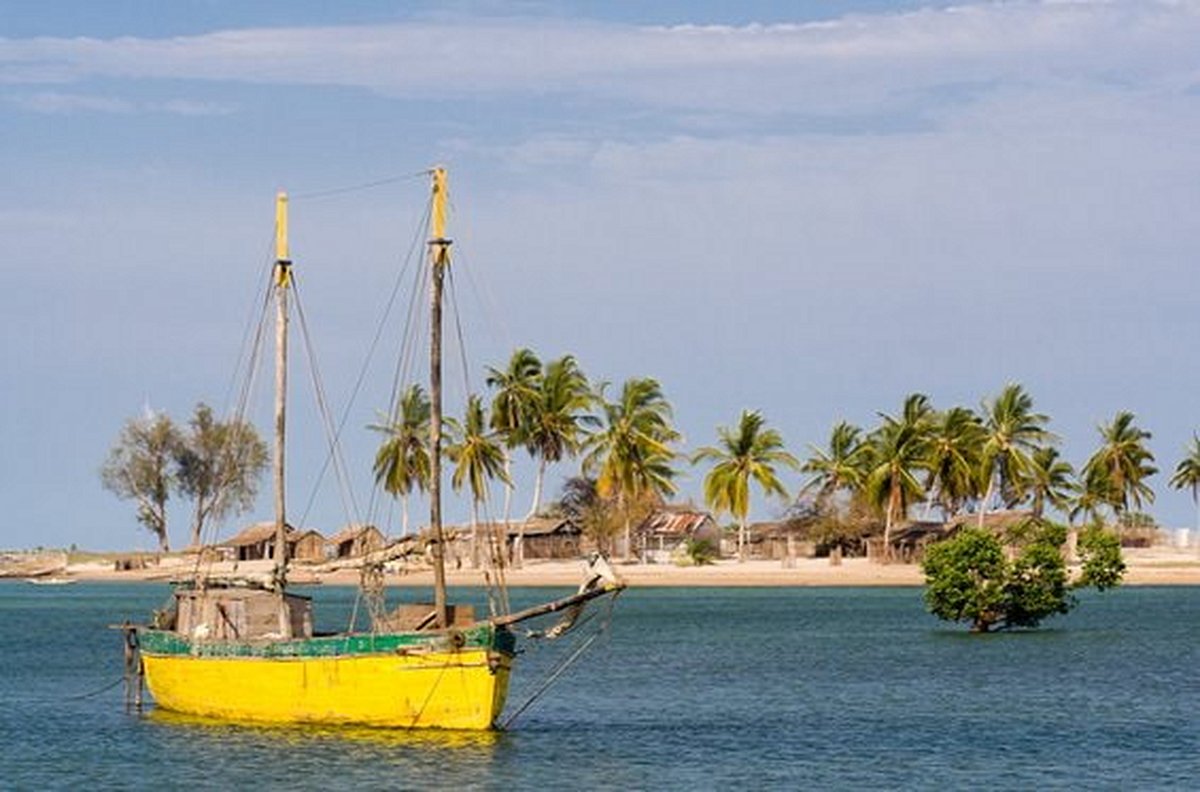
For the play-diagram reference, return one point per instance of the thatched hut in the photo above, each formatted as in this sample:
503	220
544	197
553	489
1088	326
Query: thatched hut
780	540
547	538
355	540
257	542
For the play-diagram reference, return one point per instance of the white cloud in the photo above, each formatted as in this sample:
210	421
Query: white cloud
830	67
55	103
189	107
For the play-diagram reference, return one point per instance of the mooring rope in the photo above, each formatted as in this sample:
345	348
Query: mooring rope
104	689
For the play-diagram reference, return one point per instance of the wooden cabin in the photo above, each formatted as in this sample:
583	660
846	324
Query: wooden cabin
776	541
307	546
666	533
547	538
241	614
355	540
257	543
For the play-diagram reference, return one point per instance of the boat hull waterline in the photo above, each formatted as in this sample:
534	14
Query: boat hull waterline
404	680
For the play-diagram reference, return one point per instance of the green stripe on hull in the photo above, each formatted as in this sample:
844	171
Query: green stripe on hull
348	644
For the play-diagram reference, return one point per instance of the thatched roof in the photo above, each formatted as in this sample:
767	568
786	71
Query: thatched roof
537	526
264	532
352	532
916	531
995	521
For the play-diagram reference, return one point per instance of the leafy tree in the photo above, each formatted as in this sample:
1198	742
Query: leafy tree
1100	554
1187	474
218	466
969	578
1014	432
599	518
402	461
701	552
630	455
140	468
899	449
477	458
517	391
748	453
1122	464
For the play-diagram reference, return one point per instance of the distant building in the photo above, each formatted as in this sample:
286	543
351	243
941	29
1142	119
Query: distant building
668	530
257	542
355	540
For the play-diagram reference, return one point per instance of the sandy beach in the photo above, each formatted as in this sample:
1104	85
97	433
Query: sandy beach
1146	566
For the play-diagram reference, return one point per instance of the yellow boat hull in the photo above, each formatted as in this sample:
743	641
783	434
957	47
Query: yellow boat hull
457	689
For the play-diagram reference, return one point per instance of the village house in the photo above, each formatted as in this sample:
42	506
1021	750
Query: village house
775	541
355	540
667	531
257	542
547	538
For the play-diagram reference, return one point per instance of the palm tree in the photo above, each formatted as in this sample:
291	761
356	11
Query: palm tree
837	468
1051	481
750	452
402	461
1187	474
955	440
630	455
478	459
1092	494
554	428
1014	431
899	449
1124	462
517	390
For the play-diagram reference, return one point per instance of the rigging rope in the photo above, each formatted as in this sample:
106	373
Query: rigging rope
359	187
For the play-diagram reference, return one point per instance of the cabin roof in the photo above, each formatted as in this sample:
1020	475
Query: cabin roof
993	520
538	526
674	522
352	532
265	531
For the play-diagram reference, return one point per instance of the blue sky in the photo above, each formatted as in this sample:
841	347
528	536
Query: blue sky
811	209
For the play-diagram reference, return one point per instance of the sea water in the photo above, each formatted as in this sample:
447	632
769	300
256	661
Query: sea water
695	688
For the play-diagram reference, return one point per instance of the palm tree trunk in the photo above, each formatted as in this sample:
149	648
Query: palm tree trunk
887	524
742	539
508	489
197	522
537	489
404	515
983	507
474	534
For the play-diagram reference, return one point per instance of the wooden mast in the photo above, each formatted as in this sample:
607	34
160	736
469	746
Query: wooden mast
283	280
439	257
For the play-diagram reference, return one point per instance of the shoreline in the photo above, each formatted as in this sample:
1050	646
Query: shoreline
1155	566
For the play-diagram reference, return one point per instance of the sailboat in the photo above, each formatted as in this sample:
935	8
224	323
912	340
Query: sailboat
245	650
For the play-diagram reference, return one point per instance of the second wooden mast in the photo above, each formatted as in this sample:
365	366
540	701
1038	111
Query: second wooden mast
439	258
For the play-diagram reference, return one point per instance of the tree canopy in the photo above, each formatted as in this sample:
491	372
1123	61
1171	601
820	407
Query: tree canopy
970	578
141	467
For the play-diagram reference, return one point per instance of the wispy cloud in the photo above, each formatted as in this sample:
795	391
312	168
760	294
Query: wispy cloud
60	103
56	103
828	67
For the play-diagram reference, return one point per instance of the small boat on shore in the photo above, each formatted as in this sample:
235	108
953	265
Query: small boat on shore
50	581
